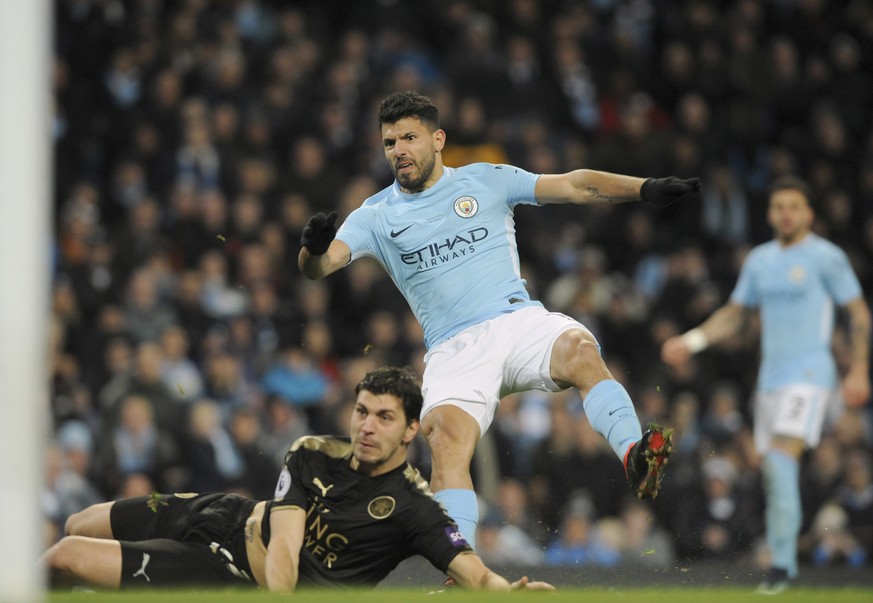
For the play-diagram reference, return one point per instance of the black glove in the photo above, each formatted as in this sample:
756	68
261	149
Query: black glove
666	191
318	233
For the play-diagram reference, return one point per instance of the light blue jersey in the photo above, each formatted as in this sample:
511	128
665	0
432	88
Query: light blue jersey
451	249
796	288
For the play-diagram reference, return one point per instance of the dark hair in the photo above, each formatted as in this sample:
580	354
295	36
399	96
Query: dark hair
792	183
397	381
409	104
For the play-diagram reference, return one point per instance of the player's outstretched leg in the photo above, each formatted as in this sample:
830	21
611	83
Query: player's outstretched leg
644	461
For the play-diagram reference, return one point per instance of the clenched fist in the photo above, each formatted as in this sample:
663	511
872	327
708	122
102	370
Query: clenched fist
669	190
318	233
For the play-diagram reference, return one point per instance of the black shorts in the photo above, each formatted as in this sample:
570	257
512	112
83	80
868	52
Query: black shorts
182	540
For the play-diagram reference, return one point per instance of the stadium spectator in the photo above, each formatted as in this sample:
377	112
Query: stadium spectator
260	467
68	486
298	378
533	425
285	422
512	508
214	461
136	444
146	314
724	523
580	541
144	380
572	460
644	542
502	544
821	477
685	420
227	384
722	419
218	297
833	541
187	301
140	238
96	282
855	496
178	371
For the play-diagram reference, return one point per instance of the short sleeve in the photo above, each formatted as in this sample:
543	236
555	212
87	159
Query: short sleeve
840	280
289	489
745	292
435	536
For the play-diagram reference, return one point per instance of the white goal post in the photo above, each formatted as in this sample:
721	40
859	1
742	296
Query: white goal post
25	240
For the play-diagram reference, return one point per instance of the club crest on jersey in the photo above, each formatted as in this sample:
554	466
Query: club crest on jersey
466	206
381	507
797	274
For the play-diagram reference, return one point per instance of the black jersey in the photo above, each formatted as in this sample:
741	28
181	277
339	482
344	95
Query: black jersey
358	528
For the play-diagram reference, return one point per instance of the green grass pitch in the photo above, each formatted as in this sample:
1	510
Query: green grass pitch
390	595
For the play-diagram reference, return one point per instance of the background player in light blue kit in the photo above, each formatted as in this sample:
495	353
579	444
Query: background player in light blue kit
447	238
794	281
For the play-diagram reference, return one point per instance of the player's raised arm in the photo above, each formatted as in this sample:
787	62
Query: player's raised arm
594	187
321	254
287	526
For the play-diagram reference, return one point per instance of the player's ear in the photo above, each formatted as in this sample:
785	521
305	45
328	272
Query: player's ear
439	140
412	429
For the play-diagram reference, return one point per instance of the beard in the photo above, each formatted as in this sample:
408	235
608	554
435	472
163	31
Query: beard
791	233
412	183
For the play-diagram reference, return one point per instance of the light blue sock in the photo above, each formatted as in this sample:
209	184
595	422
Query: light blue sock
462	506
612	414
784	513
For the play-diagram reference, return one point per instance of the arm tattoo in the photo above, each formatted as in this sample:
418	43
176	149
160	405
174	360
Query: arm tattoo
594	193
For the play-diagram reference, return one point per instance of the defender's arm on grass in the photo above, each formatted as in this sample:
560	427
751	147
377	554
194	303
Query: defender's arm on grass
468	570
287	526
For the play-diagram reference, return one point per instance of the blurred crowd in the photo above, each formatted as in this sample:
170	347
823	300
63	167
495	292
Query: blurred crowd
194	138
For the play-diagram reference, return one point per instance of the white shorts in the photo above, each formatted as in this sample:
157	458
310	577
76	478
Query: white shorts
480	365
796	411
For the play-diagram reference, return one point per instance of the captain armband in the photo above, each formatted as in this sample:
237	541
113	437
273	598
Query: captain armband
695	340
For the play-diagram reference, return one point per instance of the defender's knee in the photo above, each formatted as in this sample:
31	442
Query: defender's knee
62	555
73	525
93	521
77	524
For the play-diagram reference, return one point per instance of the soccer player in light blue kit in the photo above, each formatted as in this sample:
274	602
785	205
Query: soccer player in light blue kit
794	281
447	238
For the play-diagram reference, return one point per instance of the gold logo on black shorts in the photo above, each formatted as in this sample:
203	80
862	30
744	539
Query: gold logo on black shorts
381	507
